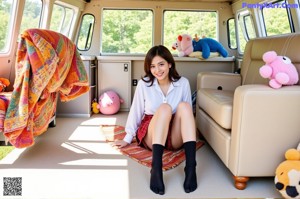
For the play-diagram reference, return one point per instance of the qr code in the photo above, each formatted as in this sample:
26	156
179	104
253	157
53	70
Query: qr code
12	186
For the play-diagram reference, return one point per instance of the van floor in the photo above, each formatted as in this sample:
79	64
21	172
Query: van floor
72	160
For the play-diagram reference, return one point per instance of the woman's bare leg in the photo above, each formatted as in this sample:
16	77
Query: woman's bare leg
183	127
184	132
156	139
159	126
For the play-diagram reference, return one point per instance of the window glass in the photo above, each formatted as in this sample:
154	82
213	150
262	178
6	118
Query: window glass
246	29
31	15
249	27
86	32
242	39
61	19
6	13
202	23
231	34
126	31
276	19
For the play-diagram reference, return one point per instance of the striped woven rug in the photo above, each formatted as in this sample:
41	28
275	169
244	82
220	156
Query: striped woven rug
171	159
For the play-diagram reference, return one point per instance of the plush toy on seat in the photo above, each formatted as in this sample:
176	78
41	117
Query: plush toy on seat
279	69
109	103
207	45
183	45
3	84
95	106
287	176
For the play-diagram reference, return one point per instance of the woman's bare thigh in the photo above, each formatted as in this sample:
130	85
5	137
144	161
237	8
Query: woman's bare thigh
176	137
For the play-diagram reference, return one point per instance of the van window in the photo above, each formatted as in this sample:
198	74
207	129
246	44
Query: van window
246	29
86	32
176	22
126	31
31	15
249	27
6	15
231	34
277	18
61	19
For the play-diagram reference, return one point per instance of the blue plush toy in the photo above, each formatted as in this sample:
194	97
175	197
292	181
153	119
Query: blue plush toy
207	45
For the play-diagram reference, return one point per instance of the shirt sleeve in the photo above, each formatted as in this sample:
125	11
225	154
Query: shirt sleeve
135	114
187	97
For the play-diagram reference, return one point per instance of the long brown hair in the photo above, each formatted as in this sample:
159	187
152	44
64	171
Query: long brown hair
163	52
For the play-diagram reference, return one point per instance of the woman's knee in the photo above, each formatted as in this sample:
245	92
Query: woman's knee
165	108
164	111
184	106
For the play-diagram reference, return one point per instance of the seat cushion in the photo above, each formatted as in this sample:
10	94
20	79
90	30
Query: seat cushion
217	104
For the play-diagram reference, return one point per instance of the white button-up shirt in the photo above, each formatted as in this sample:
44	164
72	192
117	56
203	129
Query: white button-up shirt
147	99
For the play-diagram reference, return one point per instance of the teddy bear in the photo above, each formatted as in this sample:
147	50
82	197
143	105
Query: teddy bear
279	69
183	44
287	175
207	45
109	102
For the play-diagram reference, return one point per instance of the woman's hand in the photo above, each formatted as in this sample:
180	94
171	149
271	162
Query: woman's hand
120	143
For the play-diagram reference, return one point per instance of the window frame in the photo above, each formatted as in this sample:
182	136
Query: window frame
228	34
60	28
241	24
247	27
89	35
8	46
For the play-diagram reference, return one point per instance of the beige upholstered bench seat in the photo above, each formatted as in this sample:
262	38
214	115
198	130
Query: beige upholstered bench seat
217	104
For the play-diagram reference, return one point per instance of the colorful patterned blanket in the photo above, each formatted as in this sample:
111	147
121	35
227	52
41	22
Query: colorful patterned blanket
4	101
47	65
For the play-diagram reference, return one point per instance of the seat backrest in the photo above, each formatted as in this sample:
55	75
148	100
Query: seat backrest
284	45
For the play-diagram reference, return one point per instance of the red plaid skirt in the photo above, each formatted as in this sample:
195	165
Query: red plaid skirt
143	129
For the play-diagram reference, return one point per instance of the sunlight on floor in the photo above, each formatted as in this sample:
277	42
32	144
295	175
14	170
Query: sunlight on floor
98	162
12	156
89	139
87	133
90	148
105	120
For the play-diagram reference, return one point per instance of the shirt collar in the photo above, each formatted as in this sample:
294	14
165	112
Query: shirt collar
175	84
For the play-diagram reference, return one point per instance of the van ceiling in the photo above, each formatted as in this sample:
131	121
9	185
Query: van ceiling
229	1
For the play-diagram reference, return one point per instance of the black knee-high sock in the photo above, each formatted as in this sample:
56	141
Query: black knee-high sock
156	181
190	182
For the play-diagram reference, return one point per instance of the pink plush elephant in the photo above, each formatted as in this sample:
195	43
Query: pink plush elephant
279	69
109	103
184	45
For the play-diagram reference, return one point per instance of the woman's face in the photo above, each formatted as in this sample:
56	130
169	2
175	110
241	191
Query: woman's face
160	68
